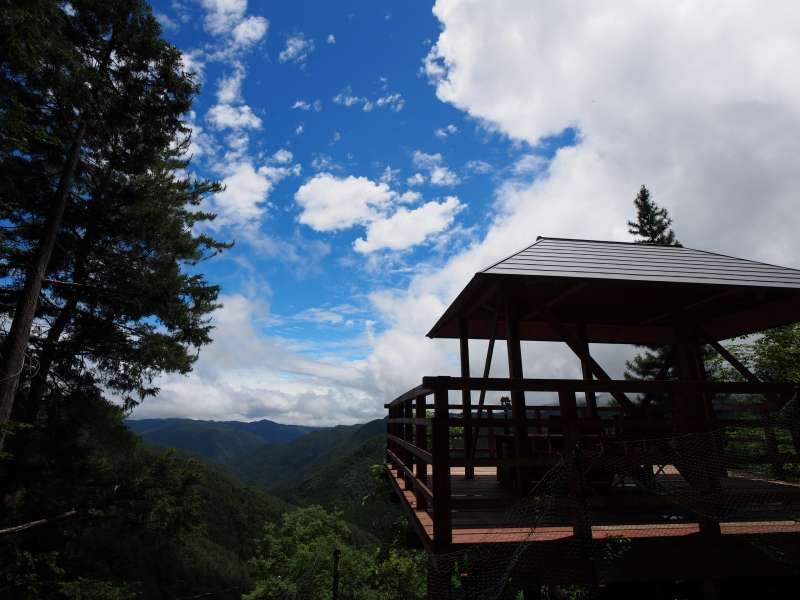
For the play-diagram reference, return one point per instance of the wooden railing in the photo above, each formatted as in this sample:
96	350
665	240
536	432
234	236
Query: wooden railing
423	423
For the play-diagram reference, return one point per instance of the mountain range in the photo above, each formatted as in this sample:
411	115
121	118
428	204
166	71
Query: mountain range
302	465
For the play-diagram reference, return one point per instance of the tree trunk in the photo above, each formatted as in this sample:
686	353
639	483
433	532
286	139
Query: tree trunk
20	332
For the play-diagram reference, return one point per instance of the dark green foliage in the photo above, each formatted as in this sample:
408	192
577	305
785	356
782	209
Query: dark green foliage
354	486
295	560
652	224
121	301
773	356
221	442
147	520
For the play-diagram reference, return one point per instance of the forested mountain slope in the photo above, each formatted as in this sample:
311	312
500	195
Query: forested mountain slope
284	466
221	442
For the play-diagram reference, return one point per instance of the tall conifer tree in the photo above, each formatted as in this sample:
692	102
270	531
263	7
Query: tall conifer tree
653	225
100	212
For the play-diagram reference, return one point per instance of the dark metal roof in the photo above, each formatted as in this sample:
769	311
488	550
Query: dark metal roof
560	257
623	293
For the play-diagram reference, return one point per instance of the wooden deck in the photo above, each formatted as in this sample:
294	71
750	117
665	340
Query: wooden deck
505	523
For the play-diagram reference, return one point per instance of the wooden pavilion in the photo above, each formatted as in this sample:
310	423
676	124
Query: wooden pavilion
460	456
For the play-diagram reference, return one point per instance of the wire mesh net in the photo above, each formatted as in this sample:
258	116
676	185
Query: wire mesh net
707	504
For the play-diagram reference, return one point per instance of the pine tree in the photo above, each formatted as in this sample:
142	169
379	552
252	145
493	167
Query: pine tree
98	219
652	226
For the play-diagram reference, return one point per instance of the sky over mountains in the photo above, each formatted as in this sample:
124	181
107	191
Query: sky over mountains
377	154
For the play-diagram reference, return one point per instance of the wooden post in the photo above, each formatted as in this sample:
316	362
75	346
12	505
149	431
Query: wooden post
586	369
421	441
408	436
442	517
692	413
522	447
466	397
569	419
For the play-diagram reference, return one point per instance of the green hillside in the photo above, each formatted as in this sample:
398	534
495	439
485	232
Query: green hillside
285	466
347	483
220	442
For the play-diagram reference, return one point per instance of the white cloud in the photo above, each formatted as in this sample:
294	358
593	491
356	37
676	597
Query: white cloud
247	374
192	62
330	203
331	39
223	15
406	228
167	24
247	189
480	167
409	197
249	31
300	129
416	179
438	173
229	89
443	132
282	156
298	48
393	101
225	116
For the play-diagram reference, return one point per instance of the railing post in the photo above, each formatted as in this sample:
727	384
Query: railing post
442	517
466	397
408	436
421	442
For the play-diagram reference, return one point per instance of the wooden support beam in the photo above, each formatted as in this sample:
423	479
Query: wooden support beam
598	371
487	366
690	414
694	305
571	290
586	370
442	513
466	395
522	447
734	362
421	442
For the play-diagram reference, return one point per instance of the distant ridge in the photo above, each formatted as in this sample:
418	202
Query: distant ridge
221	442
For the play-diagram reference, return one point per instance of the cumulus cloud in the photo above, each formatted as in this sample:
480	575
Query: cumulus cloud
331	39
225	116
249	31
407	228
243	202
444	132
248	374
229	89
193	62
438	173
223	15
691	100
416	179
298	48
330	203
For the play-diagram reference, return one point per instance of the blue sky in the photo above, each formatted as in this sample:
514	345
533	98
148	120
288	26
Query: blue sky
377	154
356	53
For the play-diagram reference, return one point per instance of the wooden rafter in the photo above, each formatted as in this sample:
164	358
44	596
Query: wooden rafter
575	345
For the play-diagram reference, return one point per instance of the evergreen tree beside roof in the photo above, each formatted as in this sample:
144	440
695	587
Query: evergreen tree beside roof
653	225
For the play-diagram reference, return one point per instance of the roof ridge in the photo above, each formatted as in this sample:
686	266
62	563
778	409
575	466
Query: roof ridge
566	239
